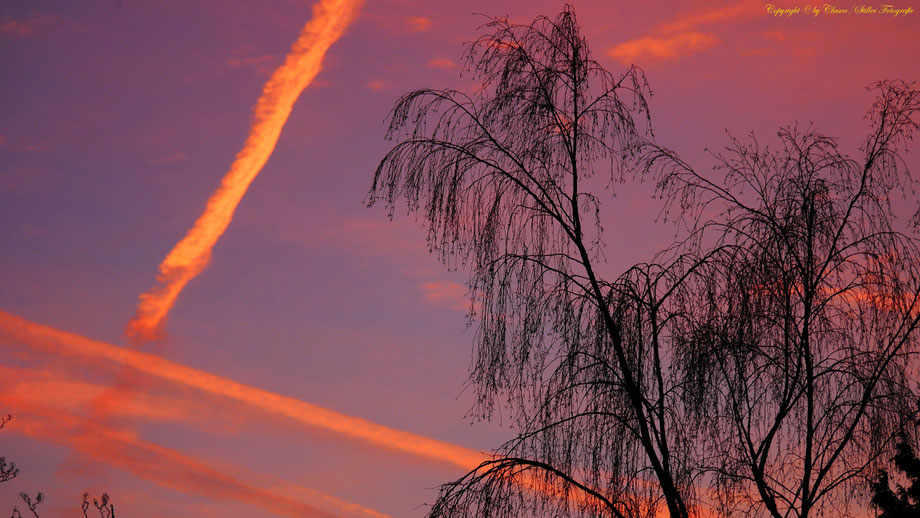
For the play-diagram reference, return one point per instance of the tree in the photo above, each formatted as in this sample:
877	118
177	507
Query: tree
102	505
800	339
902	502
765	356
499	177
31	504
8	471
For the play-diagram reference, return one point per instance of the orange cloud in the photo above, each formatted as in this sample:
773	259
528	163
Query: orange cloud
662	48
395	240
680	37
190	256
776	35
76	430
62	394
418	23
446	293
18	330
157	464
56	389
724	14
443	63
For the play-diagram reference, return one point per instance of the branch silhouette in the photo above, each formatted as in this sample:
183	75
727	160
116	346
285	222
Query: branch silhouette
761	364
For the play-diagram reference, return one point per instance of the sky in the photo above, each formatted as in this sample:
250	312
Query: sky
295	353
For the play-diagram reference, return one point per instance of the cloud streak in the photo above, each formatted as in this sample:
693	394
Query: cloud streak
418	23
18	330
160	465
724	14
446	293
56	387
680	37
191	255
14	329
663	48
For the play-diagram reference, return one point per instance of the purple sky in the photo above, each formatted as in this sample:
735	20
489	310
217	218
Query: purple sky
118	120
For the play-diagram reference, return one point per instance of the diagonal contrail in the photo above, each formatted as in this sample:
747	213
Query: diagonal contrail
14	329
160	465
190	255
18	330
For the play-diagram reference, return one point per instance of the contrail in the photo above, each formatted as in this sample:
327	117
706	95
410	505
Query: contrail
55	388
160	465
190	256
18	330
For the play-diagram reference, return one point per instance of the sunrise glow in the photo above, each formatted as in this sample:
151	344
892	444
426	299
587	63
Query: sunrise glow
211	305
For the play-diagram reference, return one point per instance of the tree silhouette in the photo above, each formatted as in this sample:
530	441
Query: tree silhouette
901	502
499	176
8	471
765	357
31	504
802	331
102	506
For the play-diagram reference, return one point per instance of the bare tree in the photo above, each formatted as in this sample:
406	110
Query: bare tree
500	177
901	502
102	505
8	471
31	504
769	355
799	340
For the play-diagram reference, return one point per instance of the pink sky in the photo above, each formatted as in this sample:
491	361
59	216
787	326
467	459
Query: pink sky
119	120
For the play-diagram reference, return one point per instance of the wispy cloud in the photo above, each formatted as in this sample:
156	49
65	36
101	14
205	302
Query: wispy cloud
719	15
20	28
446	293
125	451
397	240
57	386
59	391
682	36
250	61
775	35
191	255
663	48
171	158
442	63
418	23
17	330
161	465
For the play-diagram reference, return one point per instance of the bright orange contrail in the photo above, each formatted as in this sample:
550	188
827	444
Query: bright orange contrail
190	256
19	330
